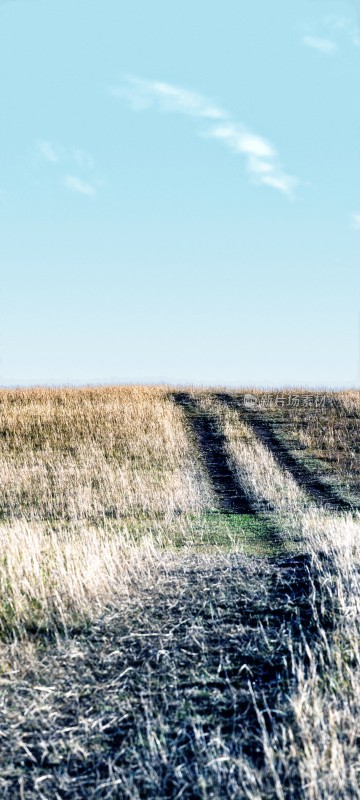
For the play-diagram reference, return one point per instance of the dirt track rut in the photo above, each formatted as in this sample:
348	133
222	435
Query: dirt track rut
211	443
315	487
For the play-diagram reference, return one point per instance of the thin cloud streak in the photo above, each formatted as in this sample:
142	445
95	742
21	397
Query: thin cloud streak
261	160
144	94
355	219
326	46
241	141
337	32
77	185
260	155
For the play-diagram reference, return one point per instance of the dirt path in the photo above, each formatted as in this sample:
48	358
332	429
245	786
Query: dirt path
317	489
167	695
212	446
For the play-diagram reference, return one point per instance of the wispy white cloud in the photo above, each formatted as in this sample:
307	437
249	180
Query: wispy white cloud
336	31
78	185
355	220
326	46
50	152
261	158
166	97
241	141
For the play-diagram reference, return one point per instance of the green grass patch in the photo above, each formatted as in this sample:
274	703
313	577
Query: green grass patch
255	535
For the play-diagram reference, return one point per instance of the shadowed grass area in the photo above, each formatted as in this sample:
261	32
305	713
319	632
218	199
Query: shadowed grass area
153	700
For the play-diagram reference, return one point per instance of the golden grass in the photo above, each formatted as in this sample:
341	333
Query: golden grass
96	453
91	481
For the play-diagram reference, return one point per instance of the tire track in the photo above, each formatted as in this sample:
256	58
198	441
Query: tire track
315	487
212	445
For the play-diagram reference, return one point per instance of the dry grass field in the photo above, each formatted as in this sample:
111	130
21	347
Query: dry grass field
179	594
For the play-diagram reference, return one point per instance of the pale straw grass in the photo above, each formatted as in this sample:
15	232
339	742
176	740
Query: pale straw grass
52	579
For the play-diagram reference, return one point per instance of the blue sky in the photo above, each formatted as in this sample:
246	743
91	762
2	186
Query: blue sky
179	192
